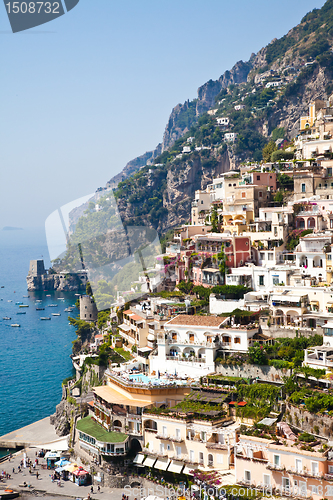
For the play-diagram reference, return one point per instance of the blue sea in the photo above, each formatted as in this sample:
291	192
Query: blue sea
34	358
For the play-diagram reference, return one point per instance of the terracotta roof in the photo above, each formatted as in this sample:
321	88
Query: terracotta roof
184	319
128	312
136	317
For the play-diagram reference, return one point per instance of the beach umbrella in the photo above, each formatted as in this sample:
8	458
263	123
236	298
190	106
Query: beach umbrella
62	462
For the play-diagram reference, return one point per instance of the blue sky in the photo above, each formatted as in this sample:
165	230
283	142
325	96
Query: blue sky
86	93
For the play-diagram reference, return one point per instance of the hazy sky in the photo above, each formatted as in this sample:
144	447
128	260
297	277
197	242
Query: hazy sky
86	93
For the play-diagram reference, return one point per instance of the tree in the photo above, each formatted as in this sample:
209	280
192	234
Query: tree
214	218
257	355
268	150
222	259
278	197
89	289
282	155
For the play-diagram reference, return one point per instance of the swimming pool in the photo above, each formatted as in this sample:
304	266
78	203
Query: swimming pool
140	377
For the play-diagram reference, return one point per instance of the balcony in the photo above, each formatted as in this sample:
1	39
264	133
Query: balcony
216	446
176	439
275	467
147	429
305	473
163	436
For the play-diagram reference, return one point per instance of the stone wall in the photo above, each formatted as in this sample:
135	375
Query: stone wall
267	373
320	425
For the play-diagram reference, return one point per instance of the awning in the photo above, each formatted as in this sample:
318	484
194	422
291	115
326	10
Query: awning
162	464
287	298
151	337
58	445
144	349
149	462
71	468
187	470
139	458
112	396
314	302
211	270
124	327
175	467
52	454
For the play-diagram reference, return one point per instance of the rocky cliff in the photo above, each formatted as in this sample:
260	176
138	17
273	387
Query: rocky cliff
61	282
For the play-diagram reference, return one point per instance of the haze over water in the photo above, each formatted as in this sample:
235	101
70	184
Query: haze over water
34	358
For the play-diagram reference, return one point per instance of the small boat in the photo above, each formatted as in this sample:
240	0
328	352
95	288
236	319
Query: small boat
40	308
45	319
8	494
48	295
18	303
9	301
21	312
77	295
67	309
23	305
6	318
15	325
39	300
2	286
53	305
26	296
56	314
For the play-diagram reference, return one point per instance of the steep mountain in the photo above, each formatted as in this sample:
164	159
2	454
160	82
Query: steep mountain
257	101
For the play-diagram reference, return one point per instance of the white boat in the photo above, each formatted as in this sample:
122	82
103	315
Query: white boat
15	325
44	319
23	305
56	314
53	305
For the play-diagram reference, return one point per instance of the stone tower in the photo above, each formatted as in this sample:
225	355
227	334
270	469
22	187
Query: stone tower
36	268
88	309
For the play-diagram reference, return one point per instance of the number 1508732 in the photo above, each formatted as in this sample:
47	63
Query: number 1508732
33	7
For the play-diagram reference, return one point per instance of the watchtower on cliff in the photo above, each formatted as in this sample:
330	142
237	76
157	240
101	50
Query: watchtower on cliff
88	309
36	268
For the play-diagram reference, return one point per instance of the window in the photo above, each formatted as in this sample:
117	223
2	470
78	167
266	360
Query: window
201	458
260	194
258	177
314	490
261	280
331	223
298	464
162	448
164	431
330	469
178	451
315	468
178	433
219	459
276	280
210	460
329	256
262	256
267	480
243	195
286	483
203	436
270	256
303	188
277	460
191	455
168	447
247	475
201	202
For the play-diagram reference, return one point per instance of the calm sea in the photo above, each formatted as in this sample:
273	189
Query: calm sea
34	359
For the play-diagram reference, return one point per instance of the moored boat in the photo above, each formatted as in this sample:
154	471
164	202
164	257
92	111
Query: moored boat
18	303
6	318
21	312
23	305
15	325
44	319
56	314
40	308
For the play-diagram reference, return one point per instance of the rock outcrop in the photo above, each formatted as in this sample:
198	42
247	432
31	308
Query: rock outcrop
61	282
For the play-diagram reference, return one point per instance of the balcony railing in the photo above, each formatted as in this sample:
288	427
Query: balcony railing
163	436
176	439
147	429
304	473
275	467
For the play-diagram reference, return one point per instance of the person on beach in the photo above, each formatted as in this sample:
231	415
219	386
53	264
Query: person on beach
37	474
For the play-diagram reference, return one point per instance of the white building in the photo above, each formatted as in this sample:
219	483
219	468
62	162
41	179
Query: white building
230	136
310	255
189	344
224	121
239	107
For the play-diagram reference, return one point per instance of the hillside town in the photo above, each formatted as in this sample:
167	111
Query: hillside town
226	345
